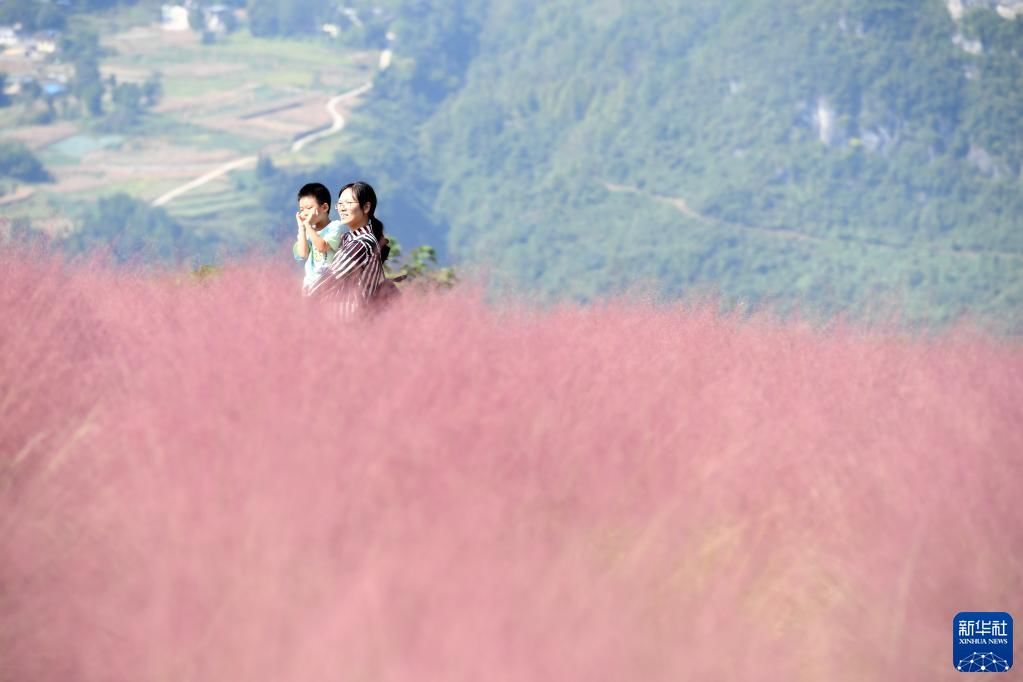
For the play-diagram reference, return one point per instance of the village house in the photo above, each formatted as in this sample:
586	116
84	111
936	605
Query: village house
46	42
216	18
1007	9
174	17
16	43
16	84
12	41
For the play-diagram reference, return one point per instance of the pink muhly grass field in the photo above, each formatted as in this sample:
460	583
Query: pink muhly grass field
213	481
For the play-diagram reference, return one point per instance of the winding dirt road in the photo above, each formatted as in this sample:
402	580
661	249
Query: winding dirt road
203	179
337	124
338	120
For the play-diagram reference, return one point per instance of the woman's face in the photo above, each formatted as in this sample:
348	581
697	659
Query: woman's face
349	211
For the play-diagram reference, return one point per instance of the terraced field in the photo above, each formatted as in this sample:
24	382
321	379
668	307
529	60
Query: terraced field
240	96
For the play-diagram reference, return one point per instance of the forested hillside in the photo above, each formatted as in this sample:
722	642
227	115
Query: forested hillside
837	155
842	154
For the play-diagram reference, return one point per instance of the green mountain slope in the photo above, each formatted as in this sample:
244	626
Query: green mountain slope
842	155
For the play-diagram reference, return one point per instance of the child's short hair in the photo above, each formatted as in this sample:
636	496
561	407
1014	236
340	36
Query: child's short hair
316	191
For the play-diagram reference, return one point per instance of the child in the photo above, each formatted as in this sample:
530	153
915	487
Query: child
318	238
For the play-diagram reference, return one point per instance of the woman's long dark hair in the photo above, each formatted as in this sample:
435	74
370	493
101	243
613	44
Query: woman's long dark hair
364	194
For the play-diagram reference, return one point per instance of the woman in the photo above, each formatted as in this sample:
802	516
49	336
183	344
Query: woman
357	271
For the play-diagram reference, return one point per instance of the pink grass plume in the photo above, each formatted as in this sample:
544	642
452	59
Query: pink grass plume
212	481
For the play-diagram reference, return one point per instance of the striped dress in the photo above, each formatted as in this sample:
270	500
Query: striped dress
354	275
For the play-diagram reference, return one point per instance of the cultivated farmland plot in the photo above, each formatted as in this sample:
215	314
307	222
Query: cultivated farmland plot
238	97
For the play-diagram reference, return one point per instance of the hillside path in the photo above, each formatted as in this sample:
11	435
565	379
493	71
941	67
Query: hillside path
17	195
680	205
338	119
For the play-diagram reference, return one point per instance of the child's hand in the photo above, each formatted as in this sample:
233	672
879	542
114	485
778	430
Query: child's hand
314	217
304	220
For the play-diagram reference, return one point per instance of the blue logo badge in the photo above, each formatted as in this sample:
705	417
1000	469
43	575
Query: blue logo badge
982	642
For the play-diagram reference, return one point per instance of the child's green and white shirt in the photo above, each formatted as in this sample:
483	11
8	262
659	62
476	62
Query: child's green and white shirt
317	263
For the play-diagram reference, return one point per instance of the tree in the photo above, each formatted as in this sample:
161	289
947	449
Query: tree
29	91
51	16
90	94
263	18
419	267
22	12
82	48
17	161
265	168
197	18
133	231
280	17
152	89
127	99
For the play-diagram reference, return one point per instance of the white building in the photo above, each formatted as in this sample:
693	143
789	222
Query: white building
1007	9
217	17
10	36
174	17
46	41
1010	10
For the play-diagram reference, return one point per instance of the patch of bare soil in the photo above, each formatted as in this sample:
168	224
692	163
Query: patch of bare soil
285	118
17	65
37	137
313	113
154	162
199	70
140	39
17	195
239	97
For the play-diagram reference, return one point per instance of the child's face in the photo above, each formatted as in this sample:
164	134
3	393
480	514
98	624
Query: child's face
313	213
